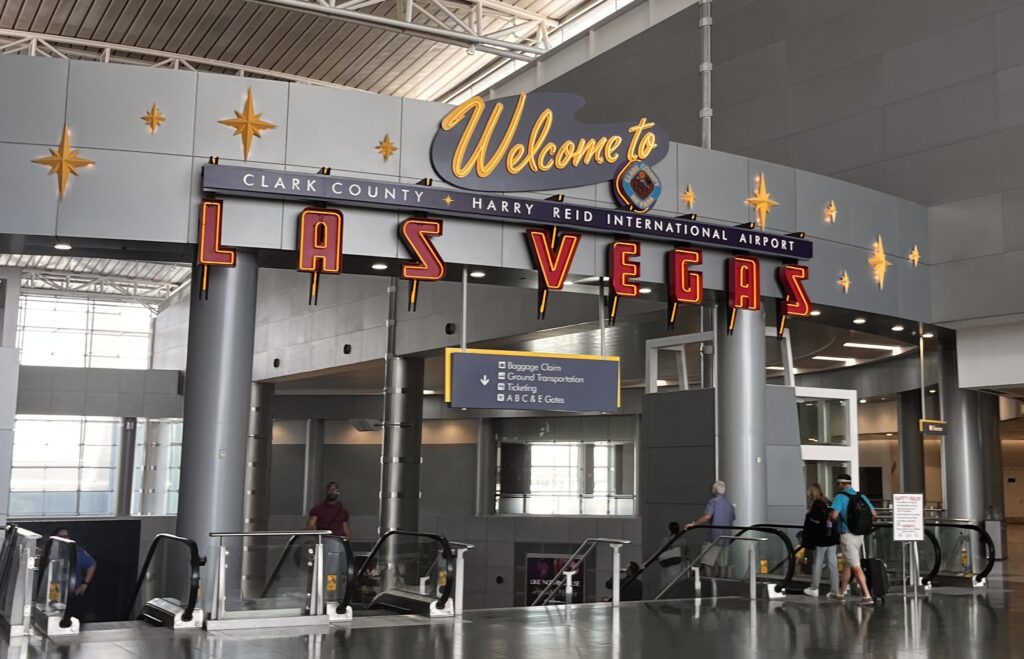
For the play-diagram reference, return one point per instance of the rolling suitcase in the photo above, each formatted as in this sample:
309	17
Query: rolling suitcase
877	576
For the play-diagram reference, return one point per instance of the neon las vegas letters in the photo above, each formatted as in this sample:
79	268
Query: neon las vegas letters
320	252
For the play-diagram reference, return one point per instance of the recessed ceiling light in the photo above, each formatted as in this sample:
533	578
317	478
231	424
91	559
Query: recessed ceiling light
873	346
644	290
569	283
662	383
931	391
882	398
846	360
859	321
477	274
815	313
888	434
897	328
928	335
429	392
813	439
379	266
62	246
775	368
863	400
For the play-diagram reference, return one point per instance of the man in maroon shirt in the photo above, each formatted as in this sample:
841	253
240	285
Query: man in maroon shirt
329	514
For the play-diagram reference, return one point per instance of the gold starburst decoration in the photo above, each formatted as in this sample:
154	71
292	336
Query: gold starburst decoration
153	118
914	256
831	212
386	147
448	201
688	197
64	162
761	201
248	123
844	282
879	263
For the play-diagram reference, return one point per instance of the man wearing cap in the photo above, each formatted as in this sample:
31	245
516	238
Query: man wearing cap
850	544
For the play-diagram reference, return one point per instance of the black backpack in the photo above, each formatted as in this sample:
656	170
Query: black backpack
858	514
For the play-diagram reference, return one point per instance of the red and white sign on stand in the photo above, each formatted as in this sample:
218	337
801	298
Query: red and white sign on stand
908	517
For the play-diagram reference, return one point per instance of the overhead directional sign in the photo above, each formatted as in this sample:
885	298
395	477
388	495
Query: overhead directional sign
509	380
931	426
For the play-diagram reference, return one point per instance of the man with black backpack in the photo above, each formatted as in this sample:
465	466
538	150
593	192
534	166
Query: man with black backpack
855	516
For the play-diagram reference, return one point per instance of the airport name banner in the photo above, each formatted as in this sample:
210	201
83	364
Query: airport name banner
295	186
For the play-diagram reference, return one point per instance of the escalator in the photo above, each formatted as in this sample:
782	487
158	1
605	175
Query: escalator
763	551
403	573
165	594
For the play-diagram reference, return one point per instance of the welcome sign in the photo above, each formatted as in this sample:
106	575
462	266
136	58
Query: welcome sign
535	142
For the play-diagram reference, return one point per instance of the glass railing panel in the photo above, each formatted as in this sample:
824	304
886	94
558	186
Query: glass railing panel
412	564
57	578
251	585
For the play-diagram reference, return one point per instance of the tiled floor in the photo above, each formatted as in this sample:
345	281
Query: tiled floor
951	622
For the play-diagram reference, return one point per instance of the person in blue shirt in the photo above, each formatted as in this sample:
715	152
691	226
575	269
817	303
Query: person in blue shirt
719	511
86	563
850	544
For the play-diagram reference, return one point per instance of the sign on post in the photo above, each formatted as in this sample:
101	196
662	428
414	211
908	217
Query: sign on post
908	517
932	426
510	380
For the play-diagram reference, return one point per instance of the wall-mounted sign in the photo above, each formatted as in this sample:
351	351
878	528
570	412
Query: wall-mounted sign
637	187
534	142
296	186
510	380
907	517
541	570
931	426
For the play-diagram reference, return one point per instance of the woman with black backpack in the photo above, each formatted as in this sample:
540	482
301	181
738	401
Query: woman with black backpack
822	536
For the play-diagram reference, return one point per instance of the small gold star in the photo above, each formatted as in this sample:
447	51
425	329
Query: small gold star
879	263
761	201
915	256
63	161
448	201
844	282
386	147
831	212
153	118
688	197
248	123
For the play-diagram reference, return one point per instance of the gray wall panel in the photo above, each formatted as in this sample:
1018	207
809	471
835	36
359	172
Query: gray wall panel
35	114
29	192
108	103
132	196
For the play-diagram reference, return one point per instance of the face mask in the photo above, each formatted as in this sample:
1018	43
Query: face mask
332	496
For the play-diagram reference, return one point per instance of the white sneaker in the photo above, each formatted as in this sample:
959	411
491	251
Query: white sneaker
811	592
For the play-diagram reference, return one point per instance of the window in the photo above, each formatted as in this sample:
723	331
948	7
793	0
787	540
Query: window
84	333
157	467
566	478
822	421
64	465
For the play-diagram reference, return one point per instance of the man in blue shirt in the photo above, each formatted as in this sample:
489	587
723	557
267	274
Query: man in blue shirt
86	563
719	511
850	544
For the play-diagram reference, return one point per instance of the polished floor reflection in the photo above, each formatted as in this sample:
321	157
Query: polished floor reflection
952	622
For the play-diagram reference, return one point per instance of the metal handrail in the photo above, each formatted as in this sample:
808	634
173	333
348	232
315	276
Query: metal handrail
195	563
446	592
587	546
682	572
65	620
770	528
261	534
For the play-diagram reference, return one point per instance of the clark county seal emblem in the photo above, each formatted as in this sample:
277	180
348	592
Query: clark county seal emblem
637	187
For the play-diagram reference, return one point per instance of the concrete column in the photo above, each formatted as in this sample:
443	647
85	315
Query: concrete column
963	491
400	454
991	454
126	466
218	379
911	442
10	290
257	459
313	475
741	414
156	463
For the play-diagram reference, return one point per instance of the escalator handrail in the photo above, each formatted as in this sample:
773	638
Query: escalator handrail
350	572
990	547
791	559
44	561
7	555
195	563
279	564
446	553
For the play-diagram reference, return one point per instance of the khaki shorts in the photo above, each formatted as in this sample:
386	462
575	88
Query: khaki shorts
718	554
852	548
